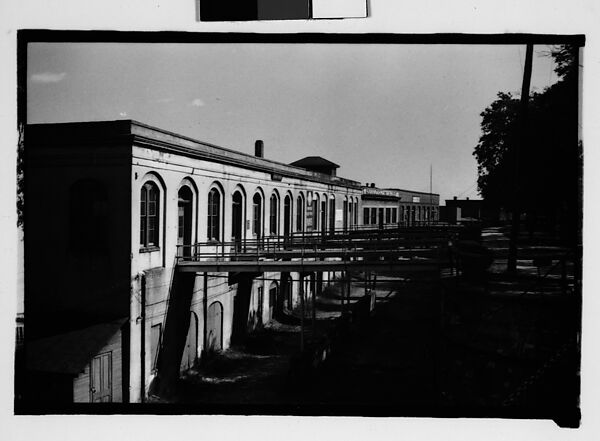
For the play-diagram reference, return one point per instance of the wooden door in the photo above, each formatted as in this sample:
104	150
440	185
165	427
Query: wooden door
101	378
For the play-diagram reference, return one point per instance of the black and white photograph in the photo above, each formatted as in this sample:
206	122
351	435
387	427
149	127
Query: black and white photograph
338	227
331	222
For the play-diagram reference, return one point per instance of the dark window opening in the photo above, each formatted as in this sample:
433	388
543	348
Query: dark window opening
287	216
184	220
274	215
332	215
257	216
214	215
300	214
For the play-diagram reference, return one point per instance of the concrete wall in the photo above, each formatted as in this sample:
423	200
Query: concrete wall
68	283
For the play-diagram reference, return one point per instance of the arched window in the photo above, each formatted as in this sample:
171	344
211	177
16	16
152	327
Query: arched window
214	327
257	227
300	213
213	231
345	215
274	215
149	215
237	218
287	215
323	214
315	211
332	214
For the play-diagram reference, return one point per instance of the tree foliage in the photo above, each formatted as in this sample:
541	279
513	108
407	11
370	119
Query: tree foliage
20	198
542	175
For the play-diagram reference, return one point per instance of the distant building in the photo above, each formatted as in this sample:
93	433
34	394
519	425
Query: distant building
457	211
393	206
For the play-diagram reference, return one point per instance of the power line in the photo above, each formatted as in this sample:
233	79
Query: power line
468	189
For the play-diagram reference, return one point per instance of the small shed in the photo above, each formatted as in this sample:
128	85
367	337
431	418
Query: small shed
82	366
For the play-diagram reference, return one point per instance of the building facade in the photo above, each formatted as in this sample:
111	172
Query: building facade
392	207
110	206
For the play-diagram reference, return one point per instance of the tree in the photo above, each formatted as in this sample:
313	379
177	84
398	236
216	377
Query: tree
20	183
549	160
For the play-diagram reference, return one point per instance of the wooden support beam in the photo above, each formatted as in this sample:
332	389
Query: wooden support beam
314	304
205	314
301	282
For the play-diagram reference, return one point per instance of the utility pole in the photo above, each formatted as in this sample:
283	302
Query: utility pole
430	193
521	140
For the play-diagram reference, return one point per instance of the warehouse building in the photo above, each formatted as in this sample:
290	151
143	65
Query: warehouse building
110	206
392	206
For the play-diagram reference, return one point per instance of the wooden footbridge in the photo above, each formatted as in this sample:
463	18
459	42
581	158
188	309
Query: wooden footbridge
405	250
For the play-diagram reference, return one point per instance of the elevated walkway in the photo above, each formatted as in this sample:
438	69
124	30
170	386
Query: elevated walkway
403	249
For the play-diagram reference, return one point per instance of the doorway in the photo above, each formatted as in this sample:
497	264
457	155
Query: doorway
237	220
184	225
101	378
287	216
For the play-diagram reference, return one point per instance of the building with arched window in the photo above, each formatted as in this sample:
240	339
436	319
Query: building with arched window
124	201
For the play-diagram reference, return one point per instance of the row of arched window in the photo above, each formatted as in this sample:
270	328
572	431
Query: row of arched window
295	214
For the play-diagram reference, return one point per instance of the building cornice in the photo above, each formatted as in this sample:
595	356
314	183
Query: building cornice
134	133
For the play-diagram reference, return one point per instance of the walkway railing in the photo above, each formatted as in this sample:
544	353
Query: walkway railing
388	243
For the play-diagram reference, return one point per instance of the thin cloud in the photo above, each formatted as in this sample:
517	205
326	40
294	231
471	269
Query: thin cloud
48	77
197	102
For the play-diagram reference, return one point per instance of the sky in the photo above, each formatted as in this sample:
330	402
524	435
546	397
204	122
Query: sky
384	113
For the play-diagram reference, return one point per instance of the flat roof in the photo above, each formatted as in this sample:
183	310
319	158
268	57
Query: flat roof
140	134
413	191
